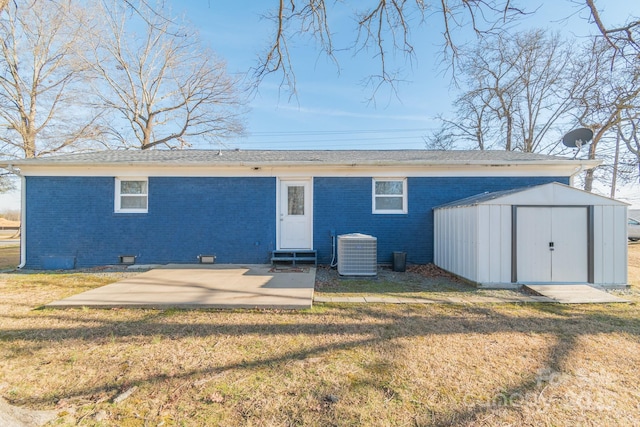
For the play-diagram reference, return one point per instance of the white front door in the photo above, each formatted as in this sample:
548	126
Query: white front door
552	245
295	215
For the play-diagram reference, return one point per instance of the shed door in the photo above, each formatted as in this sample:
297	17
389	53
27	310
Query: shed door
552	245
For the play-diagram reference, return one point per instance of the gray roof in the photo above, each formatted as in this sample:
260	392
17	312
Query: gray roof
292	157
487	196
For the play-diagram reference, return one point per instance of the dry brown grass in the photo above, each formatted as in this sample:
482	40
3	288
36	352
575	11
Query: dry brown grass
417	365
634	265
9	256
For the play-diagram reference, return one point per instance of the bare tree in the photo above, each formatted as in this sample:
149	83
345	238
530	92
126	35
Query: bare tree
626	153
515	91
630	134
623	38
610	101
470	129
383	27
42	108
161	86
6	183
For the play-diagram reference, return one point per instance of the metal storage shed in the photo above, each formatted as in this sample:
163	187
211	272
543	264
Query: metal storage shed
550	233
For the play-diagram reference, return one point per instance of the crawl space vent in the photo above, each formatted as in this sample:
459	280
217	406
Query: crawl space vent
357	255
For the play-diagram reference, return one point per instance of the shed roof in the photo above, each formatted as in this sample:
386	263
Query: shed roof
551	194
296	157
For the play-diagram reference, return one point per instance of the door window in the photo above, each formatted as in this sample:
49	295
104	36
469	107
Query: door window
295	200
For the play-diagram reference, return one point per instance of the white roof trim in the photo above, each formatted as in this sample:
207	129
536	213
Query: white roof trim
562	169
551	194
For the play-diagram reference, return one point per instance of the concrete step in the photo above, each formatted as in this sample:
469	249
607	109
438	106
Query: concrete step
295	256
574	294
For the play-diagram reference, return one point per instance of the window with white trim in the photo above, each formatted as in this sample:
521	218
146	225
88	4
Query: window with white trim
132	195
389	196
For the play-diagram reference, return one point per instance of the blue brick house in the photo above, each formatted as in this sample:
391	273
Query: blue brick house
91	209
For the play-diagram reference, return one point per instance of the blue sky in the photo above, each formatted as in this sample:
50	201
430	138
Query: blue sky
332	109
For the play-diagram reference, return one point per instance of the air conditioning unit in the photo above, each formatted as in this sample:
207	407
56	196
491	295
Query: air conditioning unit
357	255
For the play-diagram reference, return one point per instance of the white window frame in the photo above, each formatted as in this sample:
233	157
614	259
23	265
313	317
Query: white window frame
405	207
118	195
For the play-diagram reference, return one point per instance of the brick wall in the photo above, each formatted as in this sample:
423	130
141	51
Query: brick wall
232	218
344	205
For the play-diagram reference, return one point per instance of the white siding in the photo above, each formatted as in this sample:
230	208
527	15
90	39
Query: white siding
484	249
505	258
619	238
610	245
456	241
494	245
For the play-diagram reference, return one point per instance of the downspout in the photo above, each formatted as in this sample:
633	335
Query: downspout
23	216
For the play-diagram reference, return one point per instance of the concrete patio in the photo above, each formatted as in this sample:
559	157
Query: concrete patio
204	286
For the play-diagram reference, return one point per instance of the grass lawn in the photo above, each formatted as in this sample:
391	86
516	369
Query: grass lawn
9	256
415	365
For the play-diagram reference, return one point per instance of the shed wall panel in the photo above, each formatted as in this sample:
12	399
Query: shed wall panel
469	242
619	241
494	251
610	251
603	251
505	245
485	242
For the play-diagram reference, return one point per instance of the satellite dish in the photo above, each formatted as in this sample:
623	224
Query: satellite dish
577	137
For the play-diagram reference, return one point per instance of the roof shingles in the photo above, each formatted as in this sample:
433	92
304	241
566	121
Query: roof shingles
329	157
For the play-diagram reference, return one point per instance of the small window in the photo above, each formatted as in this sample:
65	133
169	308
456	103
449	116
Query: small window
389	196
132	195
295	199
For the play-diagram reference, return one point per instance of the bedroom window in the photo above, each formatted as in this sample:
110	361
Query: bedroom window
389	196
132	195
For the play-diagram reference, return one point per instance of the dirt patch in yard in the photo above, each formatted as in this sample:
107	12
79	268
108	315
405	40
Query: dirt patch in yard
419	281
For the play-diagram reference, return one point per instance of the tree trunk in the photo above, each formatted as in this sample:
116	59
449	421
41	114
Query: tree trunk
29	145
614	178
588	179
509	132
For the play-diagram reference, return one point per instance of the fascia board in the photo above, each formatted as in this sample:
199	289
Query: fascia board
528	169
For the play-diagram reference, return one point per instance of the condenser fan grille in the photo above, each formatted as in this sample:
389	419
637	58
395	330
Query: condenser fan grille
357	255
